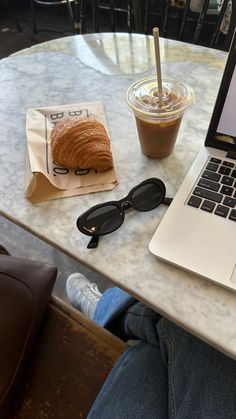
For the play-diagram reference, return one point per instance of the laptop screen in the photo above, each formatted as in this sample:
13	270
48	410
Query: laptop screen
222	129
226	130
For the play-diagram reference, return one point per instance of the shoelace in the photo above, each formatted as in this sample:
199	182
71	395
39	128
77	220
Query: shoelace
92	291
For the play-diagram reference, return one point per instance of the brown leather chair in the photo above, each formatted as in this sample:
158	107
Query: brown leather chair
70	361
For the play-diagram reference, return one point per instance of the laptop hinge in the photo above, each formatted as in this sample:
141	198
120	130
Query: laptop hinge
231	155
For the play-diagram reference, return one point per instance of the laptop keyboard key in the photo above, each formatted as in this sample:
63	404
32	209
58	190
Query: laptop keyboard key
224	170
211	175
208	184
208	206
232	215
227	180
233	174
194	201
226	190
221	211
212	166
230	202
215	160
228	164
204	193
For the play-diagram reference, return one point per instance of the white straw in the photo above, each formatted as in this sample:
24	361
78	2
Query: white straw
155	32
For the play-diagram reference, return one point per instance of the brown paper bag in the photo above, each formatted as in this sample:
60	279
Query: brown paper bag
45	179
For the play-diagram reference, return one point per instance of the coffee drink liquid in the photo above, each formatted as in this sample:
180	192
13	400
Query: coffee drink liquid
157	139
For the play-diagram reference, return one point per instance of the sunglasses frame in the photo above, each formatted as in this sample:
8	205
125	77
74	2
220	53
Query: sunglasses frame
123	205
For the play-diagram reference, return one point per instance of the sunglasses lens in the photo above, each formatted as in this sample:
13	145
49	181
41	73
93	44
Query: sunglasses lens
148	196
103	220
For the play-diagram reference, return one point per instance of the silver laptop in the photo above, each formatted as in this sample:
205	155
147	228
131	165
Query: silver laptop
198	231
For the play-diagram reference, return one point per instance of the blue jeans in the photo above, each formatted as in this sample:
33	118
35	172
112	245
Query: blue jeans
168	374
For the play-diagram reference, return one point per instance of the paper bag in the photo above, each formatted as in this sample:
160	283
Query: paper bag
45	179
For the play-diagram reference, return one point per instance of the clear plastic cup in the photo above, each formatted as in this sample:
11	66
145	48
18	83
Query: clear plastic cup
158	124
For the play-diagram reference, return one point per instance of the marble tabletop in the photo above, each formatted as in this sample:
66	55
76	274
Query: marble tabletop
100	67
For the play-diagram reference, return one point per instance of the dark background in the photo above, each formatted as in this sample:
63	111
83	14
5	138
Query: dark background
56	19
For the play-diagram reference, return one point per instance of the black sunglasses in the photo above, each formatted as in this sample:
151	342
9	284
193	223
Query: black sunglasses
105	218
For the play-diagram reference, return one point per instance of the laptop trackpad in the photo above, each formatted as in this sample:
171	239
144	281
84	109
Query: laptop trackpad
233	276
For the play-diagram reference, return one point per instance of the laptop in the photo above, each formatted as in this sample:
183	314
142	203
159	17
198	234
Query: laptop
198	231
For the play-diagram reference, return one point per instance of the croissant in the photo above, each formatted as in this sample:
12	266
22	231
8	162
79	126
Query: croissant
81	143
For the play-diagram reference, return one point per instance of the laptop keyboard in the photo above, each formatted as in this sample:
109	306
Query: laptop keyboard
215	190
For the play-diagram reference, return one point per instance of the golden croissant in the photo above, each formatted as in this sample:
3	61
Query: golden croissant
81	143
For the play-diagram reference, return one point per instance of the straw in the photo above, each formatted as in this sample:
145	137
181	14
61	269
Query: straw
155	32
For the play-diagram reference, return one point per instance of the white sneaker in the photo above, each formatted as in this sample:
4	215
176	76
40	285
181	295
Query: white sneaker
82	294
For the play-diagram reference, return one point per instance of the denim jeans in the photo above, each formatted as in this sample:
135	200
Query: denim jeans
168	374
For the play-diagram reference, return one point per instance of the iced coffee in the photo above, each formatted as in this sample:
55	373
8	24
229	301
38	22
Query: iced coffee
158	121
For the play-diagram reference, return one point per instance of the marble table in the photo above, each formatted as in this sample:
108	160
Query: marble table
101	67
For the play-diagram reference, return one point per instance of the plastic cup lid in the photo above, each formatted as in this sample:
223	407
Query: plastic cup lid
142	96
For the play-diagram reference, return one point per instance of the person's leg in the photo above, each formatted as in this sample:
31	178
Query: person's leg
112	304
202	380
115	310
126	317
85	296
137	322
136	388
